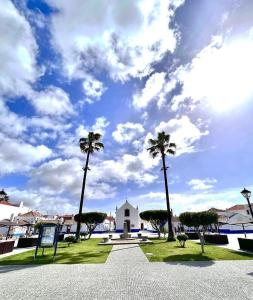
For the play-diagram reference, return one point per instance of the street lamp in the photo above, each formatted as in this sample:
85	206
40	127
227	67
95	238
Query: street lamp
246	194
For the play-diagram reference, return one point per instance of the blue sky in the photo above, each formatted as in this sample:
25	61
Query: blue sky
126	69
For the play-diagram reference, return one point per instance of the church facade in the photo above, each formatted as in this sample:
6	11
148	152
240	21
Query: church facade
129	214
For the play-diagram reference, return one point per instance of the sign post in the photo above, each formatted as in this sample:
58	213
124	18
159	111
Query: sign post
48	237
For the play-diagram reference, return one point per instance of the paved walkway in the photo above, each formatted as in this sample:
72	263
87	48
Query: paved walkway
16	251
127	274
126	254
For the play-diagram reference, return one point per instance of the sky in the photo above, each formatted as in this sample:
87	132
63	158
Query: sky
127	70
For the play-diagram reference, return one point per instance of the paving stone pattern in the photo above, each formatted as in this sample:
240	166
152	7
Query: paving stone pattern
126	254
128	275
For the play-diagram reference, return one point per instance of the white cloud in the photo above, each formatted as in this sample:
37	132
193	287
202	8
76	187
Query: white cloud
35	199
202	184
125	39
219	76
61	176
68	144
52	101
127	132
18	156
183	132
93	89
151	91
17	52
155	90
100	125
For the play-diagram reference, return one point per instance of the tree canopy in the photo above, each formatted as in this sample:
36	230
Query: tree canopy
157	218
200	221
91	220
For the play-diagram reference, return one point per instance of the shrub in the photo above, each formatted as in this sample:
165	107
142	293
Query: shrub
70	239
182	238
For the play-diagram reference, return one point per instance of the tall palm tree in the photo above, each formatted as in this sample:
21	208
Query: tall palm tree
163	147
87	145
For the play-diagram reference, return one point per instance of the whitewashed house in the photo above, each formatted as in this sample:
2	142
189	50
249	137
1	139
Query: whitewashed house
10	210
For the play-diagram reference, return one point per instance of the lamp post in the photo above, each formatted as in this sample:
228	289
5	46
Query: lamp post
246	194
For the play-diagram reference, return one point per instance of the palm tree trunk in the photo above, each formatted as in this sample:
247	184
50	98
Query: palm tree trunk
170	229
78	228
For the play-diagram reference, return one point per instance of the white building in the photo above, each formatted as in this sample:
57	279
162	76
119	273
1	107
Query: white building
10	210
69	225
129	214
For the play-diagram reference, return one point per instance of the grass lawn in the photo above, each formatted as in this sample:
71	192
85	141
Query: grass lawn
85	252
163	251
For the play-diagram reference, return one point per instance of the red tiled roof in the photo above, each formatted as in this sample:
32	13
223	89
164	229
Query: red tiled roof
216	209
8	203
31	214
109	218
238	207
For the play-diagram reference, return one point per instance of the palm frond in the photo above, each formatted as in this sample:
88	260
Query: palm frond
154	154
153	148
99	145
96	137
152	142
171	151
173	145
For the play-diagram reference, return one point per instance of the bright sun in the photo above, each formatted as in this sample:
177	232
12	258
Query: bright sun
222	75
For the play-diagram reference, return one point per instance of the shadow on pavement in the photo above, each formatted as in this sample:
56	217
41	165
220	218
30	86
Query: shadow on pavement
135	246
11	268
190	260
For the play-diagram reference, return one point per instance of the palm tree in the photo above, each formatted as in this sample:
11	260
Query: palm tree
87	145
163	147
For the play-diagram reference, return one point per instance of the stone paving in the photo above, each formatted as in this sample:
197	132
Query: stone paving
128	275
126	254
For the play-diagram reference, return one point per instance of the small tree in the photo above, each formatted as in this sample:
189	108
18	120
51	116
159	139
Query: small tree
200	221
157	219
182	238
91	220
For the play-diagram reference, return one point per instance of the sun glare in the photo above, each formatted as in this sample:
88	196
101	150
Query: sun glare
230	77
222	76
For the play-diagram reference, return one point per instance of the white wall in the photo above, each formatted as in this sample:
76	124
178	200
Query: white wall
133	217
6	211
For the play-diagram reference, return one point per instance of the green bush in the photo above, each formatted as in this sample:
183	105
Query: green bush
70	239
182	238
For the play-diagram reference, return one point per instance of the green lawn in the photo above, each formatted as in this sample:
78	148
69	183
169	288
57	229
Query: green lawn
164	251
84	252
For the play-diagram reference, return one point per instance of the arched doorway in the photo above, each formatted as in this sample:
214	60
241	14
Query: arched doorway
128	225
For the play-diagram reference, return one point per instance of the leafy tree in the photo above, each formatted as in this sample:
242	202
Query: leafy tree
162	146
88	146
182	238
157	219
91	220
200	221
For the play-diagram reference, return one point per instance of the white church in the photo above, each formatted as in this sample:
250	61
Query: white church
129	214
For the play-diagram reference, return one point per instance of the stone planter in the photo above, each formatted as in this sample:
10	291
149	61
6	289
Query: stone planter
192	235
139	235
6	246
27	242
221	239
246	244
